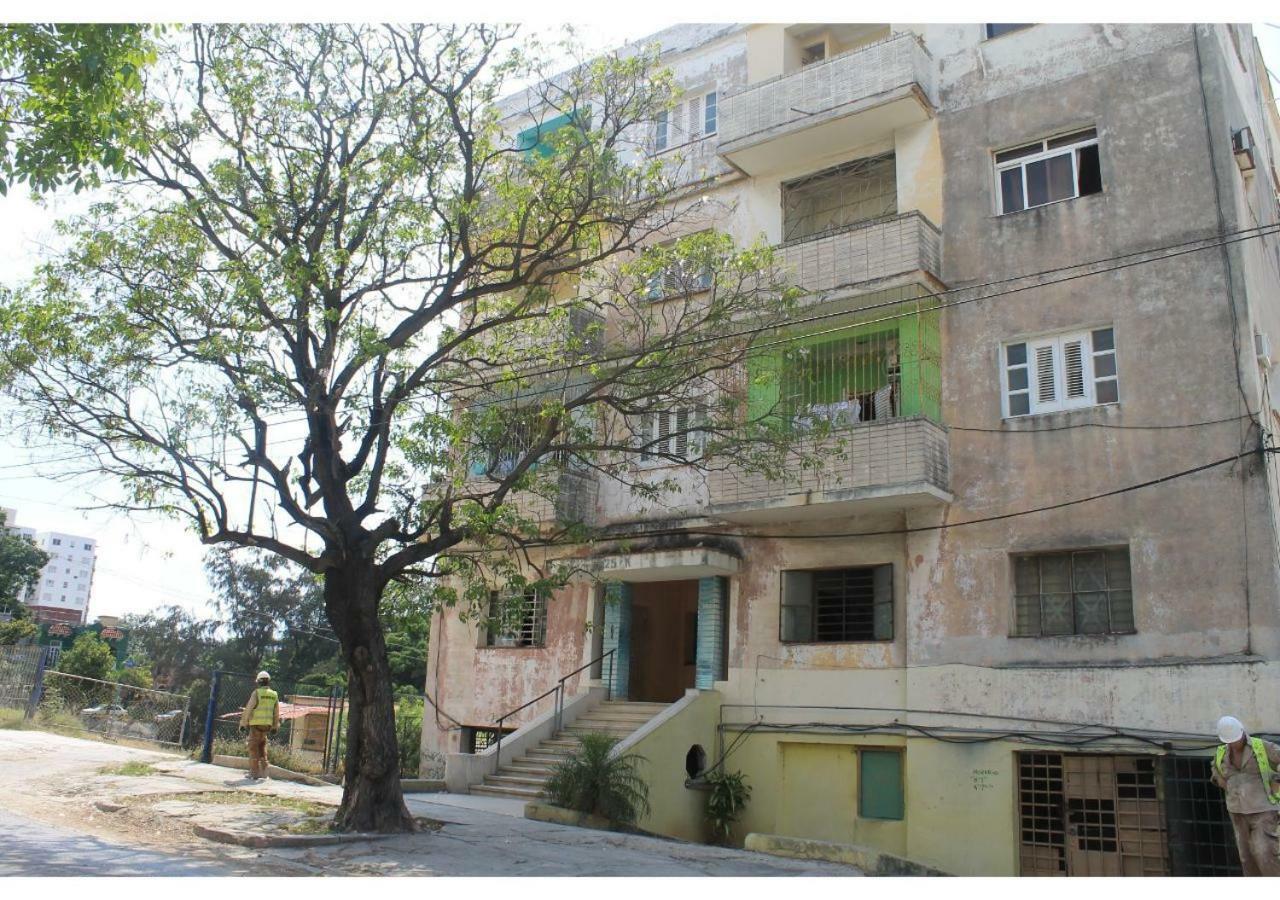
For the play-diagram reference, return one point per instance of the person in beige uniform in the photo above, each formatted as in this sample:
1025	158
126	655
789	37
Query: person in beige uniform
1246	768
261	717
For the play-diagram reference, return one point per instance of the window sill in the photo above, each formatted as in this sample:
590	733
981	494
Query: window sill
1001	216
786	643
1042	637
527	647
666	150
1094	414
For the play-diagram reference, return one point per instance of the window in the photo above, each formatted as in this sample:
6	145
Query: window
814	53
1047	171
838	605
1073	592
88	546
836	198
57	542
679	279
995	30
476	738
880	794
693	118
536	138
1065	371
666	435
522	624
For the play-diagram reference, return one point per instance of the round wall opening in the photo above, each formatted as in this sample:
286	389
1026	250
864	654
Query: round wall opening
695	761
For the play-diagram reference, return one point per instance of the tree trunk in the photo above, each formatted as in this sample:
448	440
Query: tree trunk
371	797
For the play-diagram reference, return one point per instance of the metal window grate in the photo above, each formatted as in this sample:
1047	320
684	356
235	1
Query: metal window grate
1201	840
1091	814
836	198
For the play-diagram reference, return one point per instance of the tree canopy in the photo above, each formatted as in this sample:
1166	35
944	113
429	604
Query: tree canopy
350	308
21	562
69	102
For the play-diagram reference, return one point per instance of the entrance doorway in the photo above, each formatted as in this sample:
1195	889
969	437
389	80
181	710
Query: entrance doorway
664	640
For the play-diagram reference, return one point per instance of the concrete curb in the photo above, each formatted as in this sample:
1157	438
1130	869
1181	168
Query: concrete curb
870	861
558	815
242	763
260	841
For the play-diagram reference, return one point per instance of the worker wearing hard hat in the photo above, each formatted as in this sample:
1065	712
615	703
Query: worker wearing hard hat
1247	769
262	717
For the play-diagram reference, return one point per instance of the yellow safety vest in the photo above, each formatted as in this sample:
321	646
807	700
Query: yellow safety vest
265	712
1264	766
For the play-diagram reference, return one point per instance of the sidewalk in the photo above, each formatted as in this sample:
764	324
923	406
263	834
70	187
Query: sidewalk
157	808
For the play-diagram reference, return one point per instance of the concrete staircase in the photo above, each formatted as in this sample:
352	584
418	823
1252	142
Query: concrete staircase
525	776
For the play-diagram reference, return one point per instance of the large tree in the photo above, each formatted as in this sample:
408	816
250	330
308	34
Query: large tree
349	311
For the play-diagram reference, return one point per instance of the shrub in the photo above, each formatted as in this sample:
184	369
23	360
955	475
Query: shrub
13	718
409	736
594	781
729	794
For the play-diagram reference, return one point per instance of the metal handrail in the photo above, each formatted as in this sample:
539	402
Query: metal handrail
608	685
558	690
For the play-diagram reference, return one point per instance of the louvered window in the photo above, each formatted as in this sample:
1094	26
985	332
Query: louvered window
668	435
838	605
517	622
1075	592
693	118
1060	372
678	279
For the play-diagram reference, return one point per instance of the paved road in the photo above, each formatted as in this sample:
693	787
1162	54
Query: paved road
30	848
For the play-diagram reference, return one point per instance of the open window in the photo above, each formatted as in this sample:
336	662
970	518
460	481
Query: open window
1048	171
517	621
1060	372
696	116
837	605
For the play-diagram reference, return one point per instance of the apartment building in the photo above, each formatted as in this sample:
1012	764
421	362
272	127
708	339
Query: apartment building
66	582
1041	557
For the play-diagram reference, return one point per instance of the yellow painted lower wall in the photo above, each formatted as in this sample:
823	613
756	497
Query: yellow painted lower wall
677	810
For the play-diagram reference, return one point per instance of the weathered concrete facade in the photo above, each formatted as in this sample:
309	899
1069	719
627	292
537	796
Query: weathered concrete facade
953	495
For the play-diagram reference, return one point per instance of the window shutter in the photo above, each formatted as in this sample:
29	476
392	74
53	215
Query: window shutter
797	606
882	612
664	433
1046	382
671	280
681	438
677	126
1073	365
694	118
662	137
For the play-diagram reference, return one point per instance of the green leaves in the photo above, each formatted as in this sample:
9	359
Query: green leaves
729	795
70	100
594	780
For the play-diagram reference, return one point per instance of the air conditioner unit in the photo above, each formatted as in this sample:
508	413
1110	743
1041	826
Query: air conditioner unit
1242	147
1262	349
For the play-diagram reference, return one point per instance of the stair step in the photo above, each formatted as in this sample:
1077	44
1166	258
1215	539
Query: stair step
567	743
549	756
609	722
526	766
521	793
577	730
504	779
647	708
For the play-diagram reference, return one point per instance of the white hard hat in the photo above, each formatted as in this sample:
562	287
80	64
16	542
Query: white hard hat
1230	729
264	676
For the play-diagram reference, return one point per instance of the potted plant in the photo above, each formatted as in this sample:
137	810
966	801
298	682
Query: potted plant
596	783
728	796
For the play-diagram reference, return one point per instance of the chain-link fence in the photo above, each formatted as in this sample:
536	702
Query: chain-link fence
76	703
19	671
310	720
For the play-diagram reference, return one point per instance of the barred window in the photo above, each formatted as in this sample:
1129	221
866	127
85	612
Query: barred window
844	381
517	624
838	605
836	198
1073	592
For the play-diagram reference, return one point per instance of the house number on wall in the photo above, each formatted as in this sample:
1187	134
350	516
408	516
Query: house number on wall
982	779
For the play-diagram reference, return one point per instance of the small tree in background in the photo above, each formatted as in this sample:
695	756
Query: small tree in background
89	657
20	564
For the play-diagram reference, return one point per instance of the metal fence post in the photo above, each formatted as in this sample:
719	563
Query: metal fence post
37	688
206	755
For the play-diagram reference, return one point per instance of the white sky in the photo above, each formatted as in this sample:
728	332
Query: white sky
145	561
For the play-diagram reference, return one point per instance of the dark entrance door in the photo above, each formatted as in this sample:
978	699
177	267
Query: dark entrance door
664	629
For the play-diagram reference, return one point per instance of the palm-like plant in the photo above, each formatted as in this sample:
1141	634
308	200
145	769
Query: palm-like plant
594	781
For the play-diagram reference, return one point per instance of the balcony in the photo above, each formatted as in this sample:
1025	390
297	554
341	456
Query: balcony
875	251
867	467
567	497
847	101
